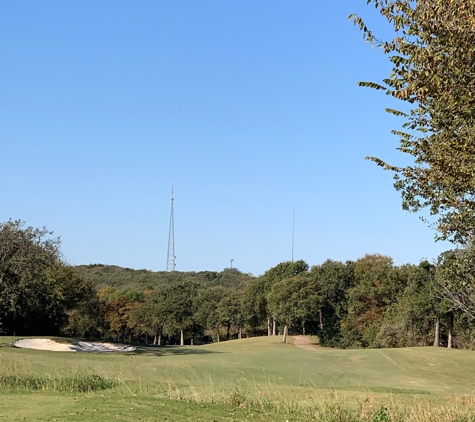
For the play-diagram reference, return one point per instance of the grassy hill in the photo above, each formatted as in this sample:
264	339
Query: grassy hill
127	278
242	376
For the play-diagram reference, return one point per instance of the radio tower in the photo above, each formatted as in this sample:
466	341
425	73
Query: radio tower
171	240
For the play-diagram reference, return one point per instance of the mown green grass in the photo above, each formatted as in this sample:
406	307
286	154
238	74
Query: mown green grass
112	406
259	375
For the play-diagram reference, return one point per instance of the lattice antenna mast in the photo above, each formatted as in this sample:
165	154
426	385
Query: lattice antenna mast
293	232
171	240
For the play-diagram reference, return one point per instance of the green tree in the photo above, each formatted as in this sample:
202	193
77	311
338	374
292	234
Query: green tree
263	286
85	320
152	315
230	313
294	300
413	319
80	302
37	289
206	309
179	305
456	281
255	306
377	286
434	73
333	280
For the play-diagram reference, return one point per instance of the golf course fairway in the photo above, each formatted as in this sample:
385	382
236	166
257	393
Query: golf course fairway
249	379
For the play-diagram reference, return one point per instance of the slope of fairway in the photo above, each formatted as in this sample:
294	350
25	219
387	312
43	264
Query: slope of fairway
258	379
267	364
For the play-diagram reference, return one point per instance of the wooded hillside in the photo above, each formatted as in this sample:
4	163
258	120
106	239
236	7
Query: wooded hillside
127	278
369	302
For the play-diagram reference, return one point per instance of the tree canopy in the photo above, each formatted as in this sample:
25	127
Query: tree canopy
367	303
37	289
456	279
433	70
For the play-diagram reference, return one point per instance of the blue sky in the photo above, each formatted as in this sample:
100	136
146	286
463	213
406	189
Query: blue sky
249	108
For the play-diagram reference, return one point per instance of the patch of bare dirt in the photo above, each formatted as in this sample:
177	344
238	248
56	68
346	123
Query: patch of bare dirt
304	343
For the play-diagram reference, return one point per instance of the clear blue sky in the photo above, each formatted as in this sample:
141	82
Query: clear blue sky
249	108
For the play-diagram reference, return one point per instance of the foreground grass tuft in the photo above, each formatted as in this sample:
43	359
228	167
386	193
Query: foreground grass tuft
81	383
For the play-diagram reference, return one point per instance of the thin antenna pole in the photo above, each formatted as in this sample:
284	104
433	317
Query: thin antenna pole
171	239
293	232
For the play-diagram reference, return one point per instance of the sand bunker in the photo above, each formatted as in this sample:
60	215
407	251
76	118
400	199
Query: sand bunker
79	346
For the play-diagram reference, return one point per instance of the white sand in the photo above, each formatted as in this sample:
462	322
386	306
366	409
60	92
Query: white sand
80	346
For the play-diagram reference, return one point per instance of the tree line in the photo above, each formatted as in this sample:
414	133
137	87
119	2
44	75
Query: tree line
369	302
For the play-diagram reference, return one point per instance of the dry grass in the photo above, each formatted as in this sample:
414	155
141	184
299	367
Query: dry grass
264	377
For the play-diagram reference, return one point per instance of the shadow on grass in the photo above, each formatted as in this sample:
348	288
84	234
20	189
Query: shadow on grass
171	351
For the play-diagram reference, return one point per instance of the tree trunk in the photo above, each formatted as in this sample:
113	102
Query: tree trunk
155	339
303	328
182	338
451	330
320	316
240	333
274	327
285	333
269	332
217	336
159	340
437	332
191	341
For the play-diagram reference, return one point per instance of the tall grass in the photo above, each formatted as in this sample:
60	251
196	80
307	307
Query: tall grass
302	402
306	403
79	383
